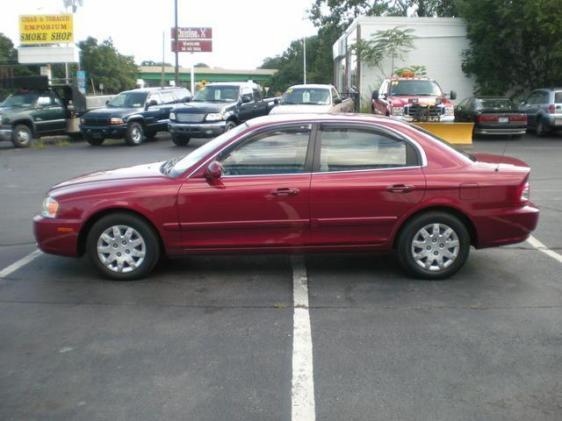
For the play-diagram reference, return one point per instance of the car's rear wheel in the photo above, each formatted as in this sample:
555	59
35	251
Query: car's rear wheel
433	245
541	129
123	246
229	125
180	140
22	136
135	134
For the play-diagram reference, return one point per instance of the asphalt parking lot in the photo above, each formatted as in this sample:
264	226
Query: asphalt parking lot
211	338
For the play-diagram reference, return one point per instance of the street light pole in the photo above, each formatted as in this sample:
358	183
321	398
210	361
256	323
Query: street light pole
177	77
304	60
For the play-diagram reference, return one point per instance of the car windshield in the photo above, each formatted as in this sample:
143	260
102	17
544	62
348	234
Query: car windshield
217	94
128	100
414	88
176	167
20	100
306	96
499	104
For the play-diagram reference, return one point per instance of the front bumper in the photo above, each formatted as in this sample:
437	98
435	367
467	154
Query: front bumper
506	226
5	133
204	130
440	119
104	132
57	236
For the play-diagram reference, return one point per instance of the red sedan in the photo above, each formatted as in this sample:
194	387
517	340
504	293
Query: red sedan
300	183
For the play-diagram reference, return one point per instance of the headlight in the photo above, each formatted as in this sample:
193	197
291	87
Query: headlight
116	120
172	116
525	192
214	117
397	110
50	207
82	121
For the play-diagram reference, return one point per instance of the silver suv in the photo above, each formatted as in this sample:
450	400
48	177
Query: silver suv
544	110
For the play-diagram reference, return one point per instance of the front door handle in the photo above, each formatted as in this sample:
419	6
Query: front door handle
285	191
400	188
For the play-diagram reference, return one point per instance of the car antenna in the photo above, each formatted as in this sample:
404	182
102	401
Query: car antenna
503	154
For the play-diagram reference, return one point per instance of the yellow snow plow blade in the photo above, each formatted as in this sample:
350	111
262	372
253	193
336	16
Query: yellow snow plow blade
456	133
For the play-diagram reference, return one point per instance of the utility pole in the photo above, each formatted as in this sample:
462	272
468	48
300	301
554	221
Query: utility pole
163	58
304	60
177	76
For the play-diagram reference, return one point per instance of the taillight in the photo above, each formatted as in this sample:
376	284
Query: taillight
518	117
525	192
486	117
551	108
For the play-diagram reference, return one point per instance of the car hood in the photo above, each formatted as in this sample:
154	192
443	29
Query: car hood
498	159
136	172
110	112
300	109
197	107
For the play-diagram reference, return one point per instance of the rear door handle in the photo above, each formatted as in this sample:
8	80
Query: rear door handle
285	191
400	188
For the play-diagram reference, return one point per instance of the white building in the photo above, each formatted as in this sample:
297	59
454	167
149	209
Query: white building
439	44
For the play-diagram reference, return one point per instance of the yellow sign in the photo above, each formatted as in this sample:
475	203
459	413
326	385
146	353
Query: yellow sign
46	29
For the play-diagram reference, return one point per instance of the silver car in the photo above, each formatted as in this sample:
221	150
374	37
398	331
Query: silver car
313	98
544	110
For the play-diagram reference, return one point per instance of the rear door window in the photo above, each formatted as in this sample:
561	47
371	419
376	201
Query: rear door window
353	149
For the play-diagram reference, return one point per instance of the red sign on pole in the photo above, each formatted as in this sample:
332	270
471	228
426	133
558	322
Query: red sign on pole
193	40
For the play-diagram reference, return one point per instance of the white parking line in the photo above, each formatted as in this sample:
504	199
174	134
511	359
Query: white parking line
302	387
542	248
7	271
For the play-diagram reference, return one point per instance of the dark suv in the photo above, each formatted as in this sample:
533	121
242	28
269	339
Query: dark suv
134	115
544	110
217	108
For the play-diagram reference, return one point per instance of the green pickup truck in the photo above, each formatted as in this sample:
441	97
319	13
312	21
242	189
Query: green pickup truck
47	111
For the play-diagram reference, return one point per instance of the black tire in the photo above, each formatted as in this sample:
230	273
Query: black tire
229	125
180	140
135	134
143	230
410	232
22	136
541	129
94	142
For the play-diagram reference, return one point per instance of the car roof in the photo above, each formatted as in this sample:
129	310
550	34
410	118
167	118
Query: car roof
320	118
251	84
312	86
155	89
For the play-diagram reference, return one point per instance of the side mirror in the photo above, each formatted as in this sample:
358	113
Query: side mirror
214	171
246	98
523	102
186	99
107	102
453	95
337	100
150	103
375	95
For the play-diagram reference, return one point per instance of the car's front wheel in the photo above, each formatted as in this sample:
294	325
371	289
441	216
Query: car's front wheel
433	245
541	129
123	246
135	134
22	136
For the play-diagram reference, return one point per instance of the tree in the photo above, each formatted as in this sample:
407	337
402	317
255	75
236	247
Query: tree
393	43
340	13
201	65
105	65
515	45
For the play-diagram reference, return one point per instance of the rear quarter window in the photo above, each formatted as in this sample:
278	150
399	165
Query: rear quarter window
558	97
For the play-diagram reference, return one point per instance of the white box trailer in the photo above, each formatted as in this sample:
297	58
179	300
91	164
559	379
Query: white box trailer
438	45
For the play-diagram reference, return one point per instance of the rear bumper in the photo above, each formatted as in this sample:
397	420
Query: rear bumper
5	134
554	121
506	226
204	130
500	130
104	132
56	236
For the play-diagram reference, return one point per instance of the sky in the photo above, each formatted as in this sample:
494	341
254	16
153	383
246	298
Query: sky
244	31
